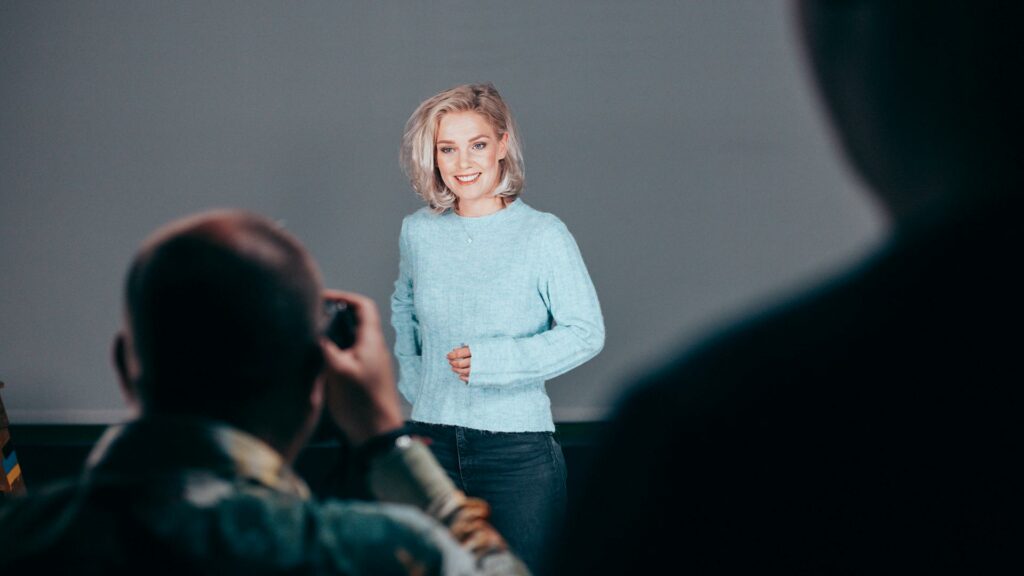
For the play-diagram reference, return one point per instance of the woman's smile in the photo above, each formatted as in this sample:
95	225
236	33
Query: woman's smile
468	179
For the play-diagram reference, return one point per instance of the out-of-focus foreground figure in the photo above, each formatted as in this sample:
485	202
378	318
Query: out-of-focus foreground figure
872	424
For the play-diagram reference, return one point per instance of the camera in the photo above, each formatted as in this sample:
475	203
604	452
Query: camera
341	323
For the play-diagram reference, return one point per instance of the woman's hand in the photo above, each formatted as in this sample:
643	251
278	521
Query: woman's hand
359	381
459	360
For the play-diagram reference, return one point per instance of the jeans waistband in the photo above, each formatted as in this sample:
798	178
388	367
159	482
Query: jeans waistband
414	424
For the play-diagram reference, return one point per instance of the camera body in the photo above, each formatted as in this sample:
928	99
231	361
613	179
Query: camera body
341	323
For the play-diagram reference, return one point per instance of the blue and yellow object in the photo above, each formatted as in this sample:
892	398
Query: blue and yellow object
10	471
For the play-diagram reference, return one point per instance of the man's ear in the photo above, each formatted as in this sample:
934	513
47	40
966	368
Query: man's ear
123	363
315	370
313	409
316	396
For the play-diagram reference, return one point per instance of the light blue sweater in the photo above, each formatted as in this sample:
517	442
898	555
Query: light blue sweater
513	287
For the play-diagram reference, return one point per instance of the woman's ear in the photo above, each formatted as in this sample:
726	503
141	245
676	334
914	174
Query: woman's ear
503	146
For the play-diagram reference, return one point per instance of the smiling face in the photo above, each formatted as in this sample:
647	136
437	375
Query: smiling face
468	153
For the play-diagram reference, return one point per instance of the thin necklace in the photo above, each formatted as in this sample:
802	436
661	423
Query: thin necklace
462	222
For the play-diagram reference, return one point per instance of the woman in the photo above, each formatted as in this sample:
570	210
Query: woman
491	300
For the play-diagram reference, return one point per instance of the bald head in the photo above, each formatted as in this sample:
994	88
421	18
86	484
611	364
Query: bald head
223	313
923	95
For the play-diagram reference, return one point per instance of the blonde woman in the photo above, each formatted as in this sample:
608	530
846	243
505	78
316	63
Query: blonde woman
492	299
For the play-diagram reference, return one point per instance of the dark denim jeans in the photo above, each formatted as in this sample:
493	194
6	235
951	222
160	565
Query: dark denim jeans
520	474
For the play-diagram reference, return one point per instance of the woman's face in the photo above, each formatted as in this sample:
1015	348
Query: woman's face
468	153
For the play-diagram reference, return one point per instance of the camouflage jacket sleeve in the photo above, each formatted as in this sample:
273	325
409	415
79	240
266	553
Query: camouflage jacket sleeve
407	473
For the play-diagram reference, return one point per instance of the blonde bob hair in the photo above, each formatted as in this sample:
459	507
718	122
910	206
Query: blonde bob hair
418	143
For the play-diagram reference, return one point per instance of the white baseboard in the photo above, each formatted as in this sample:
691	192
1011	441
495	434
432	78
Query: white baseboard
68	416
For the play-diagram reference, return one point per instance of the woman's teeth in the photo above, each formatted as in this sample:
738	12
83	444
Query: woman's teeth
467	179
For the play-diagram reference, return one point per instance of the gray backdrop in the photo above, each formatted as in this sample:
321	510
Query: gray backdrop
681	143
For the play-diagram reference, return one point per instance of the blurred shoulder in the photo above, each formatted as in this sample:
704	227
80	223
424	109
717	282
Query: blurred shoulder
770	357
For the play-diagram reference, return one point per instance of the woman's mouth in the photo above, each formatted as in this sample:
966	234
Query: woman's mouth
468	179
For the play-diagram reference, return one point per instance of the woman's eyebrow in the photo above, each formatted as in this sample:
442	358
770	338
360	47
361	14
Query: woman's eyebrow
474	138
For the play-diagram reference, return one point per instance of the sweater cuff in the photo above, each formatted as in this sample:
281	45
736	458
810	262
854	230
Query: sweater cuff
484	366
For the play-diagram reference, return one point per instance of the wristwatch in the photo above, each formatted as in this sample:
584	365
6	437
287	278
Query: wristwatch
383	443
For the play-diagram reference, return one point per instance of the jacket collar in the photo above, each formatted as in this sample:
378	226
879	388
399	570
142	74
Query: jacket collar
163	446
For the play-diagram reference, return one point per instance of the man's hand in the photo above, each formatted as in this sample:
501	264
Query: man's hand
460	360
359	382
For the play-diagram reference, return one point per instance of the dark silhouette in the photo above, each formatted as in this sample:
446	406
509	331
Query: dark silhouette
872	424
224	358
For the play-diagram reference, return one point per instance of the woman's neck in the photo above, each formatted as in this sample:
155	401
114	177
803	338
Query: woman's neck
479	207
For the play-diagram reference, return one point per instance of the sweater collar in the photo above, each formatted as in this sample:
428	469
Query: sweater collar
499	216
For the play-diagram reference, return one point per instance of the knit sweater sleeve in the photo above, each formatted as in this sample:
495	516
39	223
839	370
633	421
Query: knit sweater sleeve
408	343
577	332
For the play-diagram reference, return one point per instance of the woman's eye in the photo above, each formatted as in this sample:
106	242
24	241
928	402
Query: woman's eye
445	149
479	146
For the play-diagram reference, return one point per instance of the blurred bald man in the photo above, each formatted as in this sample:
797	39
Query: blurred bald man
223	358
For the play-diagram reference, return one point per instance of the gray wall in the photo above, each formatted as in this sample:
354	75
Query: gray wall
680	141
